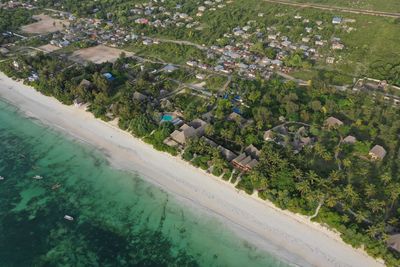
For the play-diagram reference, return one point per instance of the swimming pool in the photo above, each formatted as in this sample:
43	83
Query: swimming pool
167	117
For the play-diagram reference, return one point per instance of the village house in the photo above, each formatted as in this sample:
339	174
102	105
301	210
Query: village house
337	46
209	141
16	64
300	142
269	135
377	153
337	20
139	96
330	60
108	76
169	68
195	128
142	21
191	63
371	84
4	51
226	153
332	122
200	76
85	84
393	242
248	159
349	139
33	77
147	41
235	117
78	102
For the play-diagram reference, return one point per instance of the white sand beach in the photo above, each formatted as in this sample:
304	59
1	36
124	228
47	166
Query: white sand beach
285	234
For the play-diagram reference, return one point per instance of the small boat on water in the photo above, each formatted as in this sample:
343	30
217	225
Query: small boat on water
1	178
69	218
37	177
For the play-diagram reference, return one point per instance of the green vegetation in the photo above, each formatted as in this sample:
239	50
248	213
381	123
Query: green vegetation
216	83
167	52
190	105
12	19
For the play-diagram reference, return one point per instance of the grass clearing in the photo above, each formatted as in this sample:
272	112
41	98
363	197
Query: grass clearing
167	52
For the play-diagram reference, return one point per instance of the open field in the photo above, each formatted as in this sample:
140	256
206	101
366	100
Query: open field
168	52
45	24
98	54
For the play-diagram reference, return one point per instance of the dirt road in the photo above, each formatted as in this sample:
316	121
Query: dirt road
339	9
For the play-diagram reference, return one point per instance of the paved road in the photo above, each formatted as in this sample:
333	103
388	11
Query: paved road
339	9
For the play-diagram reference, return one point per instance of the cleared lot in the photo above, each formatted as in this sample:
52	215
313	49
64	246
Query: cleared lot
45	24
49	48
98	54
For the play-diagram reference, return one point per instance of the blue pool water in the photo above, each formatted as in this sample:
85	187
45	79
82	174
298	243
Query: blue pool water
167	117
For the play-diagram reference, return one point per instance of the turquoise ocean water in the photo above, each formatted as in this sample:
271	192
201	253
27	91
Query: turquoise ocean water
119	219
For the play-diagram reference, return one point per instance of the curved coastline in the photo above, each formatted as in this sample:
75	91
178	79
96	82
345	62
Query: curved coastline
289	236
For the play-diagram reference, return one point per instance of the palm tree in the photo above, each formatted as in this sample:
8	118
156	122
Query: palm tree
347	163
376	205
360	217
393	193
298	174
335	176
303	187
331	201
372	231
370	190
350	194
385	178
209	130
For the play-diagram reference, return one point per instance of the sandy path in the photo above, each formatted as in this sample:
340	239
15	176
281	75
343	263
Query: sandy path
283	233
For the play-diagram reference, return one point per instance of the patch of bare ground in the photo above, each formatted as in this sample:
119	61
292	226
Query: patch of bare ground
45	24
98	54
49	48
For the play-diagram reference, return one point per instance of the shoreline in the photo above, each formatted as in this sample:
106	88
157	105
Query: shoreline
288	236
